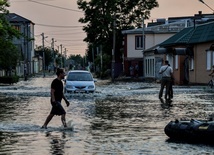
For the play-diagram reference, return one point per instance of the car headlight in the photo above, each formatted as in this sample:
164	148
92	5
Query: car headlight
69	86
90	87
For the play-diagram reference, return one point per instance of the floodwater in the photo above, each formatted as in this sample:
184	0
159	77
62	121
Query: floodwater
120	118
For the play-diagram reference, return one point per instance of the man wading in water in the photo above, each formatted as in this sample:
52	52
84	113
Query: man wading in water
167	74
56	98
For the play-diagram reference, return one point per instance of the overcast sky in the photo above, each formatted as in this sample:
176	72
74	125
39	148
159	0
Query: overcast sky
58	19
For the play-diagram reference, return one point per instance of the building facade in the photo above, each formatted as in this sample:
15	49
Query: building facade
192	51
25	44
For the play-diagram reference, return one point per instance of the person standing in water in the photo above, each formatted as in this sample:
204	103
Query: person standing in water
167	73
56	98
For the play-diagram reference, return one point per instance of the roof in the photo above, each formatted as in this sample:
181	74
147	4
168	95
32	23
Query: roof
173	27
14	18
151	49
78	71
192	35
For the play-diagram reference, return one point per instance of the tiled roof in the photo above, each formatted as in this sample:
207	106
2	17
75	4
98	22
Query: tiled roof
203	33
192	35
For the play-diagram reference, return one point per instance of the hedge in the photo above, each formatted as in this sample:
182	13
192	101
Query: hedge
9	79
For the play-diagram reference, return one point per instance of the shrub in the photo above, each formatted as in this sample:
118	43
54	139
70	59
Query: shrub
9	79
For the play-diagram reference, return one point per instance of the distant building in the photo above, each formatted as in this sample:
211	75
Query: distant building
135	45
25	44
191	53
143	50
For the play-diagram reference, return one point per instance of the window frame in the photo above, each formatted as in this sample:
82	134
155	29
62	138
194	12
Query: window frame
191	63
150	67
139	42
208	60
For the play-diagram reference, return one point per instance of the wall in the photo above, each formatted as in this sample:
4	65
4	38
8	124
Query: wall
151	40
200	74
131	51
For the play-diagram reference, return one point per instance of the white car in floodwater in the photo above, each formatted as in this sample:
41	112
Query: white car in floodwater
79	81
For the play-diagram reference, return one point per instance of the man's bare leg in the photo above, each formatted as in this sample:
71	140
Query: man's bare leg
48	119
63	120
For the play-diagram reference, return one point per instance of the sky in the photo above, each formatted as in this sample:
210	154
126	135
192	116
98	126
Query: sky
58	19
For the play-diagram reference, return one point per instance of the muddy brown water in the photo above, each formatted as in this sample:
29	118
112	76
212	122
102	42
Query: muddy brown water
120	118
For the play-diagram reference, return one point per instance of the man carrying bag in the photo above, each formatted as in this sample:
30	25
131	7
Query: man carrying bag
167	73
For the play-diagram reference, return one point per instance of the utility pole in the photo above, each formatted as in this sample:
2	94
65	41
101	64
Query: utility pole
53	54
113	50
143	42
25	53
64	56
93	58
101	58
43	49
61	55
143	35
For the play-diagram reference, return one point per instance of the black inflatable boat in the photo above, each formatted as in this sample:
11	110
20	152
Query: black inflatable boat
193	130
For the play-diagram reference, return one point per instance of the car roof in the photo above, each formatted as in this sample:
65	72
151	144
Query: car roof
78	71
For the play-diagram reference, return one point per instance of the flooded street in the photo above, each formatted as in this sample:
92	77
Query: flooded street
120	118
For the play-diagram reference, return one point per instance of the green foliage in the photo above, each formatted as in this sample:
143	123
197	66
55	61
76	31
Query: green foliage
49	55
76	58
101	14
106	59
9	55
77	61
3	6
9	79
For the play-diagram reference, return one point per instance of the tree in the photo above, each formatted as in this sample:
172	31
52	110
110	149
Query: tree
101	14
9	55
77	60
49	55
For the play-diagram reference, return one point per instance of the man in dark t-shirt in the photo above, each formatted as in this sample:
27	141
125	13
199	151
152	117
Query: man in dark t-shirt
56	98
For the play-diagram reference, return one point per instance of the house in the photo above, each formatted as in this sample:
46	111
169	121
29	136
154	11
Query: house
134	44
192	53
25	44
144	51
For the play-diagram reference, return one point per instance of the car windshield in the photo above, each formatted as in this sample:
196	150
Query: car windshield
75	76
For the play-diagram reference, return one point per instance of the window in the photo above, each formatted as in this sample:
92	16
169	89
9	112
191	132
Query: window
191	64
150	67
169	57
213	58
208	55
138	42
176	61
17	27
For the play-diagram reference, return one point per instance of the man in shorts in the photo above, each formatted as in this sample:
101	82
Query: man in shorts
56	98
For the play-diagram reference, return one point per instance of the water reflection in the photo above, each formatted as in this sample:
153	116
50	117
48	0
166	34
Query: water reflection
125	118
57	143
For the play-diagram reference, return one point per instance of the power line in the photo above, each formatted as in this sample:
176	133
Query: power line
65	30
27	0
57	26
54	6
70	40
65	33
206	5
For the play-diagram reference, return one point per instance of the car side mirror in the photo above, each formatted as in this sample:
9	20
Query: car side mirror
95	80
